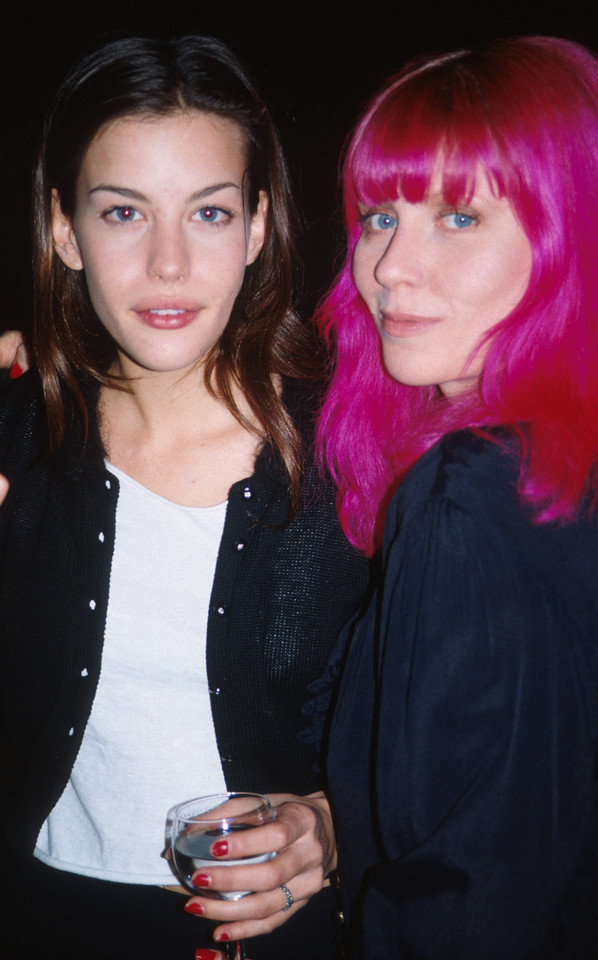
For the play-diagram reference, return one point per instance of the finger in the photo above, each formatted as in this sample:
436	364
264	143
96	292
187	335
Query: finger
253	907
293	821
270	837
22	357
3	487
304	857
245	929
259	907
254	877
9	344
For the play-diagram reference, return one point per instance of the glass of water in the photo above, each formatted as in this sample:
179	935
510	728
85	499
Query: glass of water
198	824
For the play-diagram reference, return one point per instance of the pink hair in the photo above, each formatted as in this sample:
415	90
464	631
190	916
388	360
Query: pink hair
527	111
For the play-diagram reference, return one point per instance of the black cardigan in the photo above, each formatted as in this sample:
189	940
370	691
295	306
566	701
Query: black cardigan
280	596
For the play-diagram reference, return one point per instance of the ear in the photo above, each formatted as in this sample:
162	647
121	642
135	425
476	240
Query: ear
63	235
257	228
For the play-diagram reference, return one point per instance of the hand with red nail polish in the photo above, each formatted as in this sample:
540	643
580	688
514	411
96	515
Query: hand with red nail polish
13	353
303	840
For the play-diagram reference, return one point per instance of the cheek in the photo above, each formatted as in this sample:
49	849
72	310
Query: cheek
221	257
511	283
224	274
495	284
522	264
102	262
105	281
108	279
362	271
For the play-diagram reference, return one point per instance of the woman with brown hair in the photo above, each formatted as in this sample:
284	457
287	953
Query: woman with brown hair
168	551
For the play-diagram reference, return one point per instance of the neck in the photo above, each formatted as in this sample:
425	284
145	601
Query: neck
159	402
168	432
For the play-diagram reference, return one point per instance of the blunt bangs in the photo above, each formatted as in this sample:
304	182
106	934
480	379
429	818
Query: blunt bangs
429	120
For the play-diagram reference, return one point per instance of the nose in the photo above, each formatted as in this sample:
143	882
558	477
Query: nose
168	258
403	260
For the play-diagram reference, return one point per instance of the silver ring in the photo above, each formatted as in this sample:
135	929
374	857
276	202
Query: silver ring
289	896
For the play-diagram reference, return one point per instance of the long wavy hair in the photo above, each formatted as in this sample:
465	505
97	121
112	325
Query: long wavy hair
264	339
526	112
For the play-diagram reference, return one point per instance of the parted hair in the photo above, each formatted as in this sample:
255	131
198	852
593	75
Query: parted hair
265	340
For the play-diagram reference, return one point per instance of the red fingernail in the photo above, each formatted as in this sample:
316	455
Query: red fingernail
195	908
15	371
224	936
201	880
202	954
220	848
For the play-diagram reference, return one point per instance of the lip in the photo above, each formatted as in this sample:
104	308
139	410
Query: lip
167	314
405	324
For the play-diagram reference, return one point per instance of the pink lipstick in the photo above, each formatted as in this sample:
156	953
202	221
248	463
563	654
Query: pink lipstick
167	315
405	324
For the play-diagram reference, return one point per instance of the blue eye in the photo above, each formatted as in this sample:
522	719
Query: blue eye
211	214
380	221
122	214
459	221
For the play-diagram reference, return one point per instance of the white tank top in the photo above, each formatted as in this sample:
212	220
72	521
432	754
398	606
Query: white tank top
150	740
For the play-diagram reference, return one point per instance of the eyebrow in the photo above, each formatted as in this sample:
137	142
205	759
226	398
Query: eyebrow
130	194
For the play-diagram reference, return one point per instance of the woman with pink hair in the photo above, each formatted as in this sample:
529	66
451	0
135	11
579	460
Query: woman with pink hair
464	407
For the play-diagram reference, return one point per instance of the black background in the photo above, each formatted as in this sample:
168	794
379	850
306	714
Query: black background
315	62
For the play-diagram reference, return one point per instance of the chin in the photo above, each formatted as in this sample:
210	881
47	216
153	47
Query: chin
409	378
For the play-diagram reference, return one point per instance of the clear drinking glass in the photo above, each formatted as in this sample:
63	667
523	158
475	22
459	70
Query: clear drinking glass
198	823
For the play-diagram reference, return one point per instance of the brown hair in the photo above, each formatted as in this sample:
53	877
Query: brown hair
264	339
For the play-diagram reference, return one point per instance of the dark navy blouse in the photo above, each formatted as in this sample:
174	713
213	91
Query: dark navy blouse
463	753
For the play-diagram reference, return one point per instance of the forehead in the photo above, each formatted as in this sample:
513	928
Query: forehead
181	141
